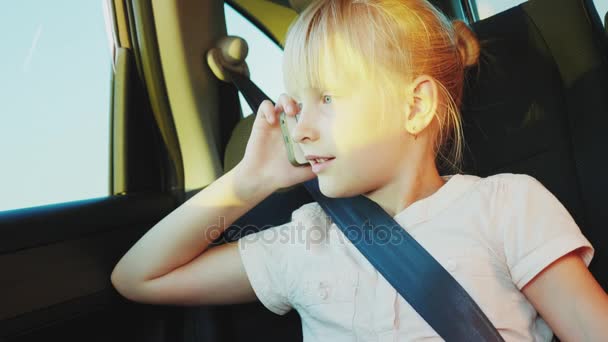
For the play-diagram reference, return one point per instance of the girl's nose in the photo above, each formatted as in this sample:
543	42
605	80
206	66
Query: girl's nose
305	129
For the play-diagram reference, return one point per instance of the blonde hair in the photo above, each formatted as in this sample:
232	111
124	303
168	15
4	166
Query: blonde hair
333	43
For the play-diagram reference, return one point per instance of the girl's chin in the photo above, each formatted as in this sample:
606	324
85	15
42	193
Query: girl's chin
329	188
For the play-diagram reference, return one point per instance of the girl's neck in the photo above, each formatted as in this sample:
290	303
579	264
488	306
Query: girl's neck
406	188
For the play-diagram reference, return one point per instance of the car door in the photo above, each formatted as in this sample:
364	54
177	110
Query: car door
86	170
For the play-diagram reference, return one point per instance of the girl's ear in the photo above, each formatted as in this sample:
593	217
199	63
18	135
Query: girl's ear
421	104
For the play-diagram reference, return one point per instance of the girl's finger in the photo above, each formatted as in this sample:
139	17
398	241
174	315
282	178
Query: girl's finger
288	104
267	110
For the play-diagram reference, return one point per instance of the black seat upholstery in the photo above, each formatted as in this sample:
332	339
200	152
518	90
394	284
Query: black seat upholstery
537	104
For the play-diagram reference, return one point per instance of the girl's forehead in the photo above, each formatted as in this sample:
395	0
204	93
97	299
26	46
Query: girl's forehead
305	92
309	93
342	91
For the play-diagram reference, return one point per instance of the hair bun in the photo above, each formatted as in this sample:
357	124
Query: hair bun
468	45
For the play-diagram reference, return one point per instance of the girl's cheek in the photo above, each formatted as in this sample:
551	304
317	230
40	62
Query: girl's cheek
353	132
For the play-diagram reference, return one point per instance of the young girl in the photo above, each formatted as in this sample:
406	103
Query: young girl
375	86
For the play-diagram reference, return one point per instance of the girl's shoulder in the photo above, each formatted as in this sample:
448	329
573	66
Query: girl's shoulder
504	179
508	184
498	186
490	195
510	178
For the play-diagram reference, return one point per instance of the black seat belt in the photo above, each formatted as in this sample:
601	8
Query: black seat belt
431	290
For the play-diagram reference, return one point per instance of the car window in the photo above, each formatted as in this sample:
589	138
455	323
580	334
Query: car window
54	102
487	8
602	9
264	59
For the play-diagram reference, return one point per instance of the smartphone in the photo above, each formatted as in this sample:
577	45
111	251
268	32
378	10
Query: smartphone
294	152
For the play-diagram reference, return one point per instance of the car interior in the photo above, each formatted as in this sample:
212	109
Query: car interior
537	103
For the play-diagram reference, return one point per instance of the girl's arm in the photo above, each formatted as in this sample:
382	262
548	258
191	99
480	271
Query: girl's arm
570	300
168	266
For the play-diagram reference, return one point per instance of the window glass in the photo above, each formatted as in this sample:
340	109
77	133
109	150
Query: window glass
264	58
487	8
602	9
54	98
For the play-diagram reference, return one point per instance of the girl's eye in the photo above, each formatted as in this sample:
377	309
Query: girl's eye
326	99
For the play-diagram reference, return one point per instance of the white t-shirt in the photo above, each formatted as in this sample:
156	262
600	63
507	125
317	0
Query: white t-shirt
492	234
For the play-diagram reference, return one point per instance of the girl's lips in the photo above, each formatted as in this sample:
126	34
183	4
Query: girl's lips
313	157
318	167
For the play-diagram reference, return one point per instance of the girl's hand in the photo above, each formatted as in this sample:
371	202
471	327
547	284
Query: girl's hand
265	161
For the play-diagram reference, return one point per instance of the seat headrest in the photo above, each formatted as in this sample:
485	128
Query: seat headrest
229	53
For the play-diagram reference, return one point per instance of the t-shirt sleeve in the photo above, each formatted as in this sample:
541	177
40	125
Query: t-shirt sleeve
264	255
539	231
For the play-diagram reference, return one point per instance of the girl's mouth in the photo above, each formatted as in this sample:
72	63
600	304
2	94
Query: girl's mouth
320	160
